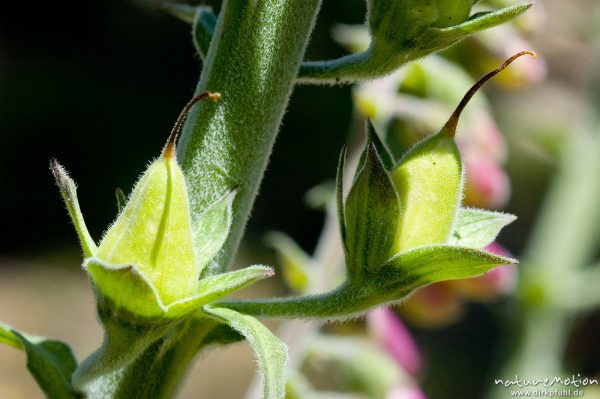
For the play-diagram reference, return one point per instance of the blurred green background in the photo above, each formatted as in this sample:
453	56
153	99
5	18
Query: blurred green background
98	84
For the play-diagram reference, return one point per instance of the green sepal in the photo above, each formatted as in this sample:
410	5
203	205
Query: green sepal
295	263
50	362
125	289
339	191
422	266
270	352
134	316
133	298
203	29
203	21
477	228
386	157
68	190
436	39
372	212
211	228
215	287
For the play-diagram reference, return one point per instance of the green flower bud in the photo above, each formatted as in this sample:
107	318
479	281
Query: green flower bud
370	214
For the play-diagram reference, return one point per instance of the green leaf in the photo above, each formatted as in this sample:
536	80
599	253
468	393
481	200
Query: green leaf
296	264
422	266
50	362
372	216
211	228
68	190
477	228
216	287
270	352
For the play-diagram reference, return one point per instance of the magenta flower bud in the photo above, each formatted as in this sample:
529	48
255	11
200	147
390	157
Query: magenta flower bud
395	338
406	392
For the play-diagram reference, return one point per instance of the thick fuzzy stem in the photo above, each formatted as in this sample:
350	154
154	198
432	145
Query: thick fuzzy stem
253	62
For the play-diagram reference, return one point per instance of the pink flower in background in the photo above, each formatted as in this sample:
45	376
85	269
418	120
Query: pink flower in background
487	185
406	392
441	304
395	338
499	281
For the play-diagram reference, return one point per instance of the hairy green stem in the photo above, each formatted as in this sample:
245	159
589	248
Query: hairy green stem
157	373
341	303
253	61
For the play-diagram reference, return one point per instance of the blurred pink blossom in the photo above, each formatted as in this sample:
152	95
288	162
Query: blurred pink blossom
499	281
441	304
389	330
487	185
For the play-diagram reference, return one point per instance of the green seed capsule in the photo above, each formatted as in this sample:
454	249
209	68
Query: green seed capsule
429	181
452	12
154	231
